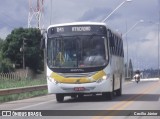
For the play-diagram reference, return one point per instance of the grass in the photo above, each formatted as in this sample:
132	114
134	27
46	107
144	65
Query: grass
10	83
21	96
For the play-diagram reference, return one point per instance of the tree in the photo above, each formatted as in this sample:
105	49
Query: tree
130	69
1	43
15	41
5	64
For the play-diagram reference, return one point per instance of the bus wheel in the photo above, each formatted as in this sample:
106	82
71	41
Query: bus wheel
80	96
110	95
107	95
73	96
119	91
59	97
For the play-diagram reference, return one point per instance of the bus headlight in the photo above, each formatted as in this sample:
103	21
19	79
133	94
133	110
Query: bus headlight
104	77
52	80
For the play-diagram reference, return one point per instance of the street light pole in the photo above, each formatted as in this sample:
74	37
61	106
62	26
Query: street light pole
140	21
158	35
116	9
51	13
125	34
158	50
158	29
127	65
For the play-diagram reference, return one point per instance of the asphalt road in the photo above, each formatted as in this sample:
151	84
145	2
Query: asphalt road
140	99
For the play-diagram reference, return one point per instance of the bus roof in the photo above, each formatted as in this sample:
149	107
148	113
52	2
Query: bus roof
78	23
84	23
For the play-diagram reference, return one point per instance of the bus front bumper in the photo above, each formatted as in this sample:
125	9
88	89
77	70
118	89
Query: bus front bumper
94	87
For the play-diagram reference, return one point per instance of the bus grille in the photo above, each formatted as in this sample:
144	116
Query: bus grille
66	75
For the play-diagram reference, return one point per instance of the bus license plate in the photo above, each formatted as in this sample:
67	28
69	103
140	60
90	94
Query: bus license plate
79	88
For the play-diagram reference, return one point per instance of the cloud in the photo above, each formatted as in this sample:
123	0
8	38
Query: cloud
14	13
144	52
4	32
94	14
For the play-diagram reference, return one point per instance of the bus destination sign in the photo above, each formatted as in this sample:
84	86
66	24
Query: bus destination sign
74	29
77	29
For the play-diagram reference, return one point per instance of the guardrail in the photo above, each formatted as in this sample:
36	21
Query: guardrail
22	89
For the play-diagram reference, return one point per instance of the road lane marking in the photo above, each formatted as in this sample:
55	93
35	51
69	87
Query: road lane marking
129	101
145	92
29	106
126	104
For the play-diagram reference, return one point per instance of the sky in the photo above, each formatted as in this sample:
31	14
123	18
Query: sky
142	39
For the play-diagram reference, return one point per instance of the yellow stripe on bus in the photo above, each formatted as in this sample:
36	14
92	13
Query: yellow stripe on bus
73	80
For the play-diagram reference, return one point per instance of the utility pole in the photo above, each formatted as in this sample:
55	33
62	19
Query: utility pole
22	49
23	54
44	49
36	18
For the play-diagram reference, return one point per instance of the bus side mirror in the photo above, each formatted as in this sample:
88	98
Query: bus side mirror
42	45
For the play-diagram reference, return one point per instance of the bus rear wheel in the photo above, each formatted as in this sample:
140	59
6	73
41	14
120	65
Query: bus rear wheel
59	97
108	95
119	91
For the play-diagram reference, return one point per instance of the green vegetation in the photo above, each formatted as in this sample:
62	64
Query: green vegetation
22	96
22	42
5	63
20	83
26	39
5	84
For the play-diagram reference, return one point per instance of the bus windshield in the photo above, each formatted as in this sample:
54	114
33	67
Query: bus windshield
77	51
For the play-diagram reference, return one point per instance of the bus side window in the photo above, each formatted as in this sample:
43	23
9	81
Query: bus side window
121	48
118	46
111	39
115	38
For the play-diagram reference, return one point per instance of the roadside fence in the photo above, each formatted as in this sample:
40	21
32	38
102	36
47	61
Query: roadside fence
13	75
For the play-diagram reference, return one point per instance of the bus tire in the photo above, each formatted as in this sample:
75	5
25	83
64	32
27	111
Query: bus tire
107	95
110	95
59	97
73	96
119	91
80	96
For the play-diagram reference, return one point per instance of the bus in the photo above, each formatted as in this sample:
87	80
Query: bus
84	58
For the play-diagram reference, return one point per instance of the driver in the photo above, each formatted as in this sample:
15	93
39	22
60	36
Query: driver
95	58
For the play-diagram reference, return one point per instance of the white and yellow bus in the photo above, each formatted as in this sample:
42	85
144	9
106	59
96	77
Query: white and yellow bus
84	58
